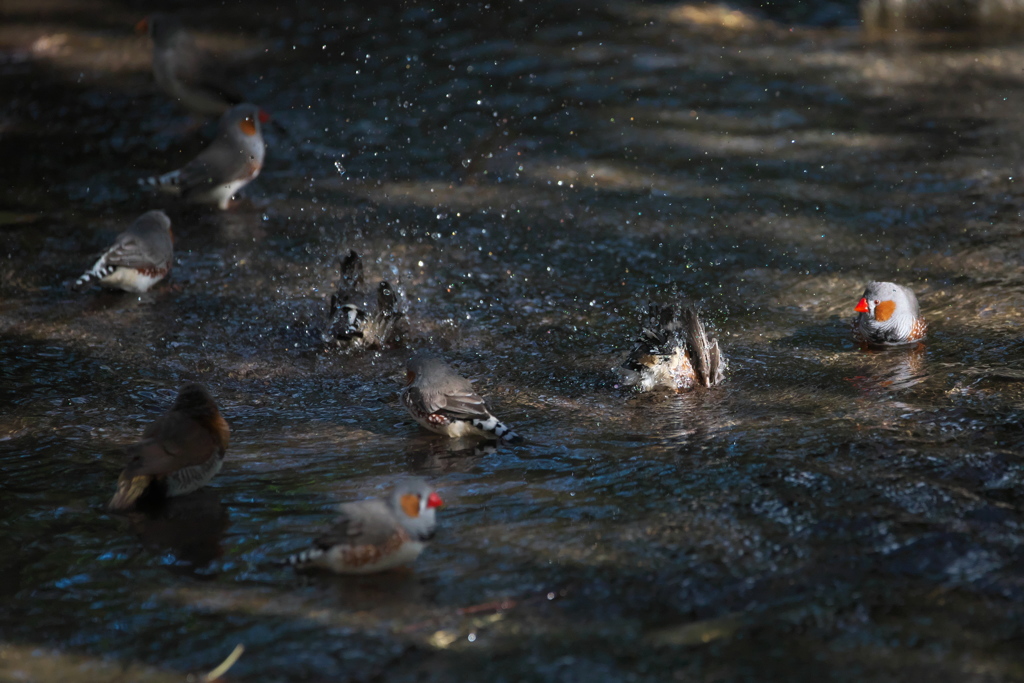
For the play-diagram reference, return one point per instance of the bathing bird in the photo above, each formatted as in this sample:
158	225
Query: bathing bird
444	402
231	161
351	323
888	315
139	258
673	352
374	535
179	453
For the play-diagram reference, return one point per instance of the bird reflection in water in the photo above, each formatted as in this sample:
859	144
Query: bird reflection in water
893	369
191	527
436	456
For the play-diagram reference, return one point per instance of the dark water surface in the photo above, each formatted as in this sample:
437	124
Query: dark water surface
531	174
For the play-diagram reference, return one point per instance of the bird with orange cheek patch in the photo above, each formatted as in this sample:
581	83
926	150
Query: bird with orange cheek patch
233	160
375	535
888	315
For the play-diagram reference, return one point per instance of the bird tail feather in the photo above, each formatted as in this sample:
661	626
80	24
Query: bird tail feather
168	182
129	490
305	558
704	354
500	430
91	277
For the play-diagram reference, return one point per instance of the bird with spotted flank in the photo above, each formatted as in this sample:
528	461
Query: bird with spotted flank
444	402
139	258
375	535
888	315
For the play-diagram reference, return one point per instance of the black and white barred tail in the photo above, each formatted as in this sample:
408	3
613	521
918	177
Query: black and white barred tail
168	182
90	277
499	429
305	558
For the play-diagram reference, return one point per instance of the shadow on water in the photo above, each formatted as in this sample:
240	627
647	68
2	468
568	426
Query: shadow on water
528	177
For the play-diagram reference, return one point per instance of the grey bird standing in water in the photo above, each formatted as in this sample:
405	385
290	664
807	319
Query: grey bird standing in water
140	257
888	315
233	159
444	402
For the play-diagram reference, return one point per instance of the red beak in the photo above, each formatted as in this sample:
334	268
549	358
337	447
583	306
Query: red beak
862	306
434	500
264	117
142	26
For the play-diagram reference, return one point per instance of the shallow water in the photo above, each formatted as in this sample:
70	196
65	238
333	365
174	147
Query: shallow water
530	178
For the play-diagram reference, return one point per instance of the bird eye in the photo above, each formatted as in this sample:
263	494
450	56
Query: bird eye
877	302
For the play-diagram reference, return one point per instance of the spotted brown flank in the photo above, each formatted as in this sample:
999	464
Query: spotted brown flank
884	310
362	555
919	329
150	271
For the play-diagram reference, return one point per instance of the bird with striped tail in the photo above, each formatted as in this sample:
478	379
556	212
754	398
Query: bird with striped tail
139	258
444	402
229	163
375	535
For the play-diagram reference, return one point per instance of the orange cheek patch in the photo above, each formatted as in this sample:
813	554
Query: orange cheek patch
247	126
411	505
884	310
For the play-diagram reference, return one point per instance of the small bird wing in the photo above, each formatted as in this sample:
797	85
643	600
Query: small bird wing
699	347
171	443
350	283
131	252
717	369
465	404
384	324
462	403
197	174
365	522
216	165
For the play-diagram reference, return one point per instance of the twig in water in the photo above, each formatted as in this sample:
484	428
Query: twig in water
226	664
